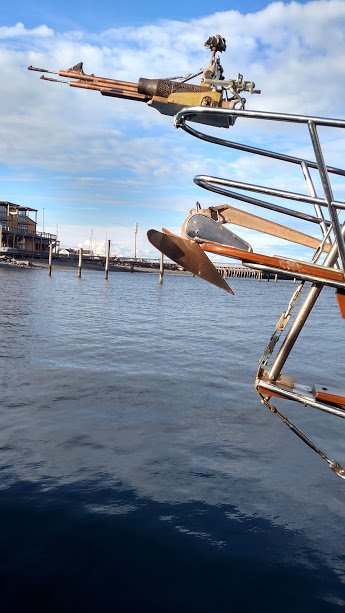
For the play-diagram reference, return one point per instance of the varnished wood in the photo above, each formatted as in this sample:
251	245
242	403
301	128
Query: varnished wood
340	294
330	397
298	267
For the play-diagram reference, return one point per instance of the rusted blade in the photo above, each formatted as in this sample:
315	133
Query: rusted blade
187	253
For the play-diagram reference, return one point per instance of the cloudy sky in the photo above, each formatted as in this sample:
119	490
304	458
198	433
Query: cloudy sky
97	166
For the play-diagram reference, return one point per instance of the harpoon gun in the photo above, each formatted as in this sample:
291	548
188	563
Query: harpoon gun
170	95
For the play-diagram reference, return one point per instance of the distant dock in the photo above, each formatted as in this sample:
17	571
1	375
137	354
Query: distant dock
141	265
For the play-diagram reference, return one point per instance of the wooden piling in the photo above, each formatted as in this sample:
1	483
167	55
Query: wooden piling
80	262
106	268
50	258
161	269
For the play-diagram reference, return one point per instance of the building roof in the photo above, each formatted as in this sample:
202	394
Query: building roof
17	206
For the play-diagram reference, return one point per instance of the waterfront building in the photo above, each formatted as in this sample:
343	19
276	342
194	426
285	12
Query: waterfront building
18	231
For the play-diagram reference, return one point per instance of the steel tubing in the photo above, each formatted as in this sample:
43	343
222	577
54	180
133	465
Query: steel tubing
301	318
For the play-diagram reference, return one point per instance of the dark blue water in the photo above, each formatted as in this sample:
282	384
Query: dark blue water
139	471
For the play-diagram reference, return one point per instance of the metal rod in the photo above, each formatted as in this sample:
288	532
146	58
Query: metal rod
312	192
327	190
204	181
301	318
269	191
180	123
287	117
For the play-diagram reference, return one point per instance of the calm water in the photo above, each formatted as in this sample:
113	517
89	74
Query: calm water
139	471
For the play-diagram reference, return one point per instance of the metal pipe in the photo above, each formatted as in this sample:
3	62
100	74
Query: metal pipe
269	191
266	115
312	193
301	318
327	190
203	181
182	115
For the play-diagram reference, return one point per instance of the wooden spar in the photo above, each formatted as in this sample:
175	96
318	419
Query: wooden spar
298	267
334	397
229	214
340	294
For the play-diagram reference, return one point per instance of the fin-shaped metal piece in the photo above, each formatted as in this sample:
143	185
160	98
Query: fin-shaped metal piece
203	228
187	253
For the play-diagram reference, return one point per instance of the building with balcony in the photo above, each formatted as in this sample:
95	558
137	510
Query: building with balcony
18	231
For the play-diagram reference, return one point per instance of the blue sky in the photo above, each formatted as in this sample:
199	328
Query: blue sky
99	165
87	15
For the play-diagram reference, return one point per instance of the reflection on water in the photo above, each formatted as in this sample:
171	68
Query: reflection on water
138	467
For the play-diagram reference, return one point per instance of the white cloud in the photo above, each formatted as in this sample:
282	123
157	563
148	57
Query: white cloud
107	150
19	30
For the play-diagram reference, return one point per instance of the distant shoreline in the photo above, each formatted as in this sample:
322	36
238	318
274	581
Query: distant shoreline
87	265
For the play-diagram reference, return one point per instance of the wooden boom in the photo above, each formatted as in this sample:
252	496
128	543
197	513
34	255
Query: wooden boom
294	268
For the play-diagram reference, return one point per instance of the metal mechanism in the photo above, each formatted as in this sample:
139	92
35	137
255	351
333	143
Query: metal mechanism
327	265
171	95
